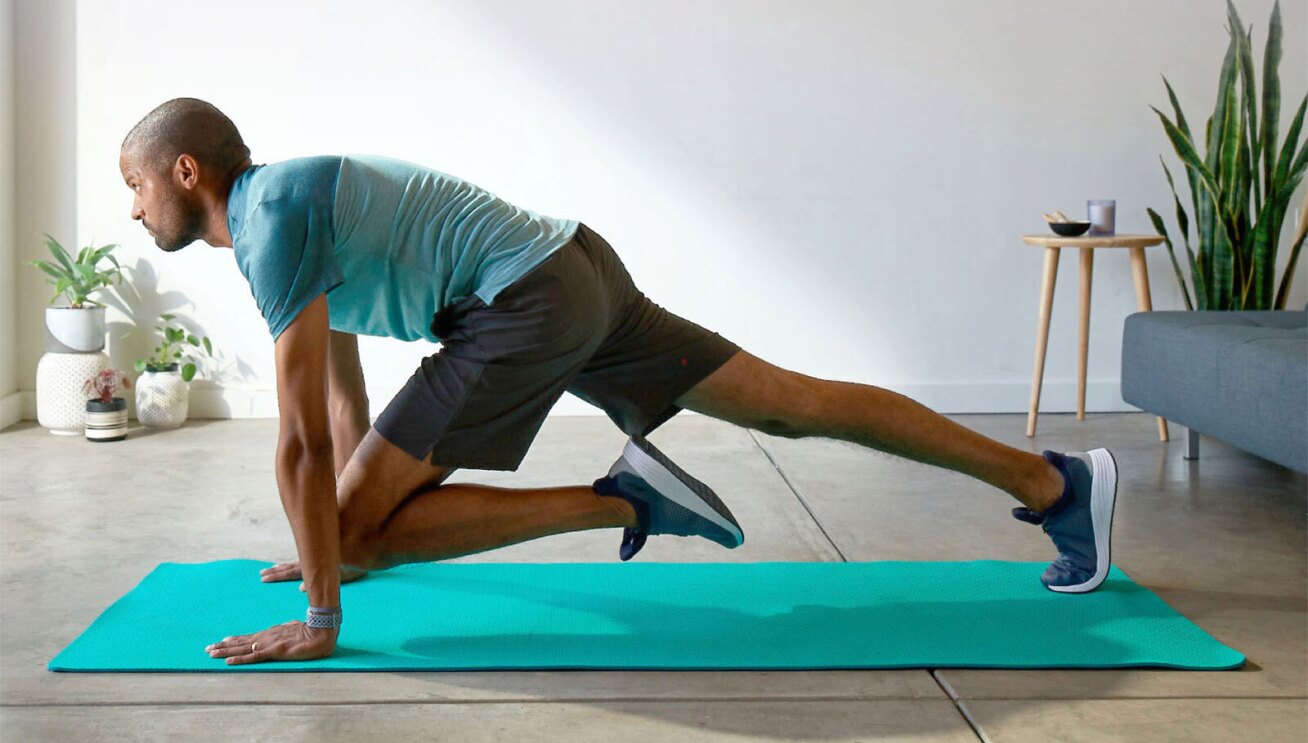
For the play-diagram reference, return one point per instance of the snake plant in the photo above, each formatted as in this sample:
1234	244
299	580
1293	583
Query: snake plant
76	278
1241	186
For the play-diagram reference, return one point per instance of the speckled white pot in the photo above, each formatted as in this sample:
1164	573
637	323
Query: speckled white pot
60	402
162	399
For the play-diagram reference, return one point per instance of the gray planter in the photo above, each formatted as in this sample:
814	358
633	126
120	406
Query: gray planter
69	330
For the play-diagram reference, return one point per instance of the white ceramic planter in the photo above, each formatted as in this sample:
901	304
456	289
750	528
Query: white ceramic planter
162	399
60	402
69	330
106	421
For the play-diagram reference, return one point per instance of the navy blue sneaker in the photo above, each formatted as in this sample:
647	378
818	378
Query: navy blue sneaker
1080	522
666	500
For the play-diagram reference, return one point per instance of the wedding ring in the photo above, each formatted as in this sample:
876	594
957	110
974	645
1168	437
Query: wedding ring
254	647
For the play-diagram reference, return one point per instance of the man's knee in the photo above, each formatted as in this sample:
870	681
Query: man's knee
796	412
360	546
360	534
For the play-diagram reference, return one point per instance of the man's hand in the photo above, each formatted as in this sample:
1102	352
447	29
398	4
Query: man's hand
283	571
293	640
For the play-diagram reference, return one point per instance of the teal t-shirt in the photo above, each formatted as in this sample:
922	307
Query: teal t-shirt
390	242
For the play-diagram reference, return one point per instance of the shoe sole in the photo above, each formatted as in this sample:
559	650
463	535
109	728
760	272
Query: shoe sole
676	485
1103	499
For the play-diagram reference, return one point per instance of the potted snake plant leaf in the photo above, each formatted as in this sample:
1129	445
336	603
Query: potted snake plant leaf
74	333
1241	184
78	326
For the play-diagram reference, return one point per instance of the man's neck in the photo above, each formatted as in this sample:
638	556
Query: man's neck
218	235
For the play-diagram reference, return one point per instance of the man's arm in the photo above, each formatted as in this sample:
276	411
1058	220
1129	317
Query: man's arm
308	488
305	475
347	402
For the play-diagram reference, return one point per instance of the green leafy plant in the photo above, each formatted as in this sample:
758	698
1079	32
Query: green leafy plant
176	349
104	384
76	278
1238	210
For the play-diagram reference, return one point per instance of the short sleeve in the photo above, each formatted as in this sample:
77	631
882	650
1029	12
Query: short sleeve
286	252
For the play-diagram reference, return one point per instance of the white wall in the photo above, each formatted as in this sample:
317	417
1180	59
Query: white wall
10	409
837	186
45	125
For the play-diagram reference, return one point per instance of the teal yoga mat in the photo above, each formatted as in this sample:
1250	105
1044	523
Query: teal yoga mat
768	615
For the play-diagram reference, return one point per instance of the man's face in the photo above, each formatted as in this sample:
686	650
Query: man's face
162	203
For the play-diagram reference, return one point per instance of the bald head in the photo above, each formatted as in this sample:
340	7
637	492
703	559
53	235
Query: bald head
186	126
180	162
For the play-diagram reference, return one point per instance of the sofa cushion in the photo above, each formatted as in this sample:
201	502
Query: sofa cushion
1239	376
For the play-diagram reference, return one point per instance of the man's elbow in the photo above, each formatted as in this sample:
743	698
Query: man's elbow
352	409
298	449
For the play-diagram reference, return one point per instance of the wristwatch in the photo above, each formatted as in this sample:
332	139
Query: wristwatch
323	618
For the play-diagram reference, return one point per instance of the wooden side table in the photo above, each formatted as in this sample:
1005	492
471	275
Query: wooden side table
1052	244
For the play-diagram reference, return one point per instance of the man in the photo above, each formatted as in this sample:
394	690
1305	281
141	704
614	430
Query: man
525	307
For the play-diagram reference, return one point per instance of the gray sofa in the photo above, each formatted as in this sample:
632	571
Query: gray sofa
1241	377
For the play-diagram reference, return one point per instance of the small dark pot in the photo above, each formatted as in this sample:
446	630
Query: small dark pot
106	421
1069	229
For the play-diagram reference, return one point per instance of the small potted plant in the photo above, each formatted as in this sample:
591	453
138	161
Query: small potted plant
74	333
163	391
77	327
106	415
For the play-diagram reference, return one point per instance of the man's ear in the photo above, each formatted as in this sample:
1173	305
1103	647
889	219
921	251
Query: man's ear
186	171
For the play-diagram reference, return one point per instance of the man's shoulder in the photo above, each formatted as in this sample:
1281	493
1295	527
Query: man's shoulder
289	201
297	178
270	194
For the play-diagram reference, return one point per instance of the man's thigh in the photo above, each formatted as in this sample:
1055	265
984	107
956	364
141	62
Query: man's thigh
377	479
649	356
750	392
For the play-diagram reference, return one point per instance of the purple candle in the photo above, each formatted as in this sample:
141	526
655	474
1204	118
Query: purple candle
1101	213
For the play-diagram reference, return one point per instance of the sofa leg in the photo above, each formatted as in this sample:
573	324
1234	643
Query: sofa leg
1191	443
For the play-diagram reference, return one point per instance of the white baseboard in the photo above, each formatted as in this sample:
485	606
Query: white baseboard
968	398
950	399
1056	396
262	403
11	409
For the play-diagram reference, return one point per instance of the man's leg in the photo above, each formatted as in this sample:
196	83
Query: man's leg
752	393
395	509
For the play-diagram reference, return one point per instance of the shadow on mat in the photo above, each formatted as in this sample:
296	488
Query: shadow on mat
776	636
776	715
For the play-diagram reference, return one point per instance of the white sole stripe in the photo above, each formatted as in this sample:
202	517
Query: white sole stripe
670	486
1103	498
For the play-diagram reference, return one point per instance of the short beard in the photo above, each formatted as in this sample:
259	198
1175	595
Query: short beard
192	223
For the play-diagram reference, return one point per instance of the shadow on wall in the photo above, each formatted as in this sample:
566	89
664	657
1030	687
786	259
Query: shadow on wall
140	300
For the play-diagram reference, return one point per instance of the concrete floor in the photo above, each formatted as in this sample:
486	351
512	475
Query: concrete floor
1222	540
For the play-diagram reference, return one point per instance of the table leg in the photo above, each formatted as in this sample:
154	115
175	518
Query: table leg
1042	334
1141	275
1083	356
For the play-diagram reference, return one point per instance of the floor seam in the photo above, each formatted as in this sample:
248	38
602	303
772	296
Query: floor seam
958	705
798	497
944	686
580	700
1192	698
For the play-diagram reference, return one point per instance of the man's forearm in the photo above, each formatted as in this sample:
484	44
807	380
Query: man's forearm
349	424
307	485
347	401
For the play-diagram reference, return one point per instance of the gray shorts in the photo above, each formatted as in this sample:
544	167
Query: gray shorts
576	322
